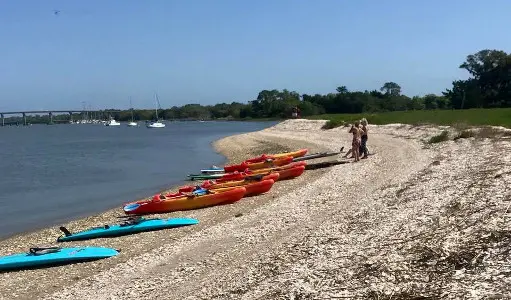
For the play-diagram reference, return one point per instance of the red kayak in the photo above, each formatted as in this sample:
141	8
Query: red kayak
269	163
247	173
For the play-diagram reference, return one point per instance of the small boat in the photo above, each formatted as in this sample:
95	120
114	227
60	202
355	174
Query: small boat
50	256
112	122
282	170
132	123
264	157
130	226
277	162
253	186
162	204
157	123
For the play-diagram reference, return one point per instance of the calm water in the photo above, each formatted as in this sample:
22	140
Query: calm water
51	174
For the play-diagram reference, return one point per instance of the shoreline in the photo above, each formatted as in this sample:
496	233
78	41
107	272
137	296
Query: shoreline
207	217
377	227
114	207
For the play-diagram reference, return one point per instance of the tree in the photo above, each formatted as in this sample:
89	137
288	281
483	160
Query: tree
391	88
484	62
342	89
490	82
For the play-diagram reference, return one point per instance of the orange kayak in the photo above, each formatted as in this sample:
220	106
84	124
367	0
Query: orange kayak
291	172
252	187
263	157
249	173
247	182
259	165
293	154
288	166
160	204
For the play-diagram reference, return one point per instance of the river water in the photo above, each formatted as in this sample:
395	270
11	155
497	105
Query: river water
52	174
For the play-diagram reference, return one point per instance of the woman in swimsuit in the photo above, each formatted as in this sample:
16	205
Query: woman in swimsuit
356	142
363	146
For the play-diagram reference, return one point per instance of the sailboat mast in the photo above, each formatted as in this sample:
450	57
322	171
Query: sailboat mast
157	104
131	106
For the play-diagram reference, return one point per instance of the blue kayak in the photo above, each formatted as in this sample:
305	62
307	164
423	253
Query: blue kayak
39	257
130	226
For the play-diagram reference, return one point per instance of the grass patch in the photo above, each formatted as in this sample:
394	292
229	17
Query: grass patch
442	137
488	132
461	119
332	124
482	133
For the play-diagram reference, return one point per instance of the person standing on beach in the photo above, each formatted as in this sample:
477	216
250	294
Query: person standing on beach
355	144
363	145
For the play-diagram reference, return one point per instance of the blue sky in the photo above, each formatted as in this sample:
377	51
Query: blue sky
206	51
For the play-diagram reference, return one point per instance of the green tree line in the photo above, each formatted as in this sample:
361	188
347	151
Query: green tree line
488	86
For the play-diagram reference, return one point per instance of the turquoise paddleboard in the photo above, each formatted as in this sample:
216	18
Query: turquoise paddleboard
131	225
39	257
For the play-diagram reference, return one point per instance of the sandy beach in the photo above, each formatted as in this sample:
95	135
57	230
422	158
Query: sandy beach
415	219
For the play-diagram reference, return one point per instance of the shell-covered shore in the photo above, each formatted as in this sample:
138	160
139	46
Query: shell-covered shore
413	220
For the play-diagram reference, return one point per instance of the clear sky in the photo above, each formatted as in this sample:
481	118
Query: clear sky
211	51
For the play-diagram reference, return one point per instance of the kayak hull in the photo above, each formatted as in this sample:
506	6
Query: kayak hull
294	154
62	256
258	187
242	175
120	229
252	187
288	166
291	172
263	157
243	182
157	205
258	165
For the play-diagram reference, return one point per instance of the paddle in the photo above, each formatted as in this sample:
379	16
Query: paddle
317	155
65	231
129	217
325	164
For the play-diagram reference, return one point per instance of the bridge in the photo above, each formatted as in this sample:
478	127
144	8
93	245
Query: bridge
50	113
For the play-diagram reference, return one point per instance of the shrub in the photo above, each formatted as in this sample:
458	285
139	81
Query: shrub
442	137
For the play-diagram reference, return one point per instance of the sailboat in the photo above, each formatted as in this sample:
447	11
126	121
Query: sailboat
112	122
157	123
132	123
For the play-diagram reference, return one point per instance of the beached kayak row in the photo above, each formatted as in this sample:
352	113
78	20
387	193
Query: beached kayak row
254	176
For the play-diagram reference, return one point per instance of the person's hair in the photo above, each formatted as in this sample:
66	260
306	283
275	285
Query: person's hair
357	123
363	121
